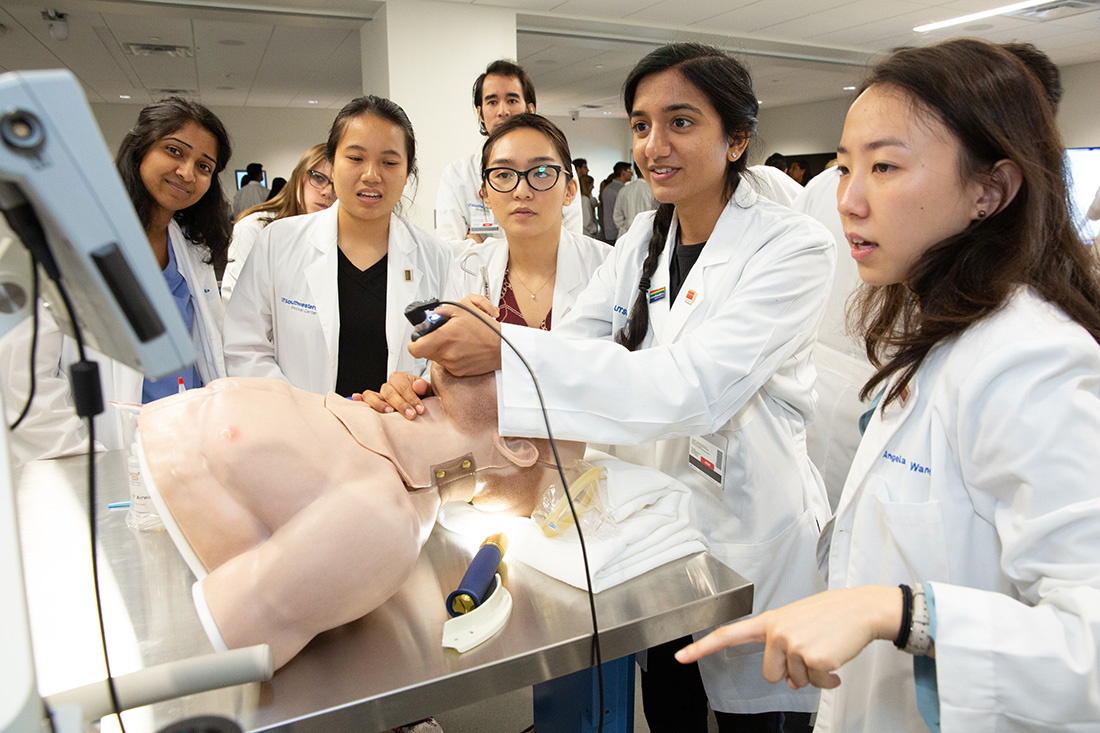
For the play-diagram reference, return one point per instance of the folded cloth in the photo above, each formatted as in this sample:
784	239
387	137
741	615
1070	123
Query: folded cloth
646	524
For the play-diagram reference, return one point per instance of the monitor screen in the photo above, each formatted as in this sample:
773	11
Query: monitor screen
241	173
1084	172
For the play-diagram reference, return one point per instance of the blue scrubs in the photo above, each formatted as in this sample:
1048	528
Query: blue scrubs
155	389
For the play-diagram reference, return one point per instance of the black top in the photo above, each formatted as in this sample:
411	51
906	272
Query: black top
361	359
679	265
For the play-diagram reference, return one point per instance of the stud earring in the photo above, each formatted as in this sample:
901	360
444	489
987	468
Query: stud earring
981	213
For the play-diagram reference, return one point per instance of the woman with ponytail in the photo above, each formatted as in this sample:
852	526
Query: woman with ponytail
690	352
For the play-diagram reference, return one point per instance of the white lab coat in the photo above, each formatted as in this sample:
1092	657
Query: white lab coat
250	194
842	365
52	427
731	356
283	320
578	258
245	233
635	198
984	483
458	202
774	184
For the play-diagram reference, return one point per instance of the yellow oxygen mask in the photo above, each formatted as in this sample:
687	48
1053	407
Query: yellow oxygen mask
588	487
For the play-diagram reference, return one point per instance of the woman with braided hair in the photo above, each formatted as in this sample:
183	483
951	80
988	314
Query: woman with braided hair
690	352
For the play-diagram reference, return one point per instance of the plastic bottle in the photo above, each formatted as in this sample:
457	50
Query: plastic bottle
143	513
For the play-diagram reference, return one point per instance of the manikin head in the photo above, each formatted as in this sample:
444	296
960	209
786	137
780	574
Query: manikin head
511	472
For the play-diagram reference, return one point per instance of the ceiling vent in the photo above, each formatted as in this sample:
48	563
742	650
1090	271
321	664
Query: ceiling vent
159	49
174	92
1055	10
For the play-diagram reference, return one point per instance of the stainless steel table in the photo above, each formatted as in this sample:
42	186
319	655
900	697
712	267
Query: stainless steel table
383	670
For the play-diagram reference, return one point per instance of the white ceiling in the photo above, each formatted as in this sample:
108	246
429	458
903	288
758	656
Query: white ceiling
301	53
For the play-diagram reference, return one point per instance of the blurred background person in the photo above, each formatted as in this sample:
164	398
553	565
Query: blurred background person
309	191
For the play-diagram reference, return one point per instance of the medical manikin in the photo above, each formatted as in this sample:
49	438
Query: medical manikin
309	511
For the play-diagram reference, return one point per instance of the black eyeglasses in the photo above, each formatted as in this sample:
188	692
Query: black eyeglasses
540	178
318	180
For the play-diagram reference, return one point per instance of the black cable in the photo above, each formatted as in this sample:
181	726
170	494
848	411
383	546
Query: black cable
34	346
568	495
34	238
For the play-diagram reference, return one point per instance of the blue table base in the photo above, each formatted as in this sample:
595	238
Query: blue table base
572	702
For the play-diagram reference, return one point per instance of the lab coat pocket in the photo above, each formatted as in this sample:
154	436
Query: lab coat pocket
906	540
782	569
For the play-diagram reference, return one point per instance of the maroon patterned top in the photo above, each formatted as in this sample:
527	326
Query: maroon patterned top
509	307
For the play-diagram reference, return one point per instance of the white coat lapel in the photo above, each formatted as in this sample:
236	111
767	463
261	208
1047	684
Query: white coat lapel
724	248
498	261
571	276
873	444
321	277
658	288
404	274
209	311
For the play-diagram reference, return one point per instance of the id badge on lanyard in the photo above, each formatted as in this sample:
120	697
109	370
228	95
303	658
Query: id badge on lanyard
707	457
481	219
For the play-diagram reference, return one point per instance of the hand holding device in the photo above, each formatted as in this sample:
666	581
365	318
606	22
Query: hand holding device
422	318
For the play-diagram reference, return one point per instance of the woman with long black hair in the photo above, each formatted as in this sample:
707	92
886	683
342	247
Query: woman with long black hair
690	352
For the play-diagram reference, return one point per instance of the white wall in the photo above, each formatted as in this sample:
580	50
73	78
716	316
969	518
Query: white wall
815	128
436	51
277	138
1078	115
602	142
801	129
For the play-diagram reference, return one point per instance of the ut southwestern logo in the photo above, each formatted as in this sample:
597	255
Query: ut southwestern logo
901	460
620	309
299	306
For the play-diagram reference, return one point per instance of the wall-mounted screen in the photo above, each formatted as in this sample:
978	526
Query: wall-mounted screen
241	173
1084	171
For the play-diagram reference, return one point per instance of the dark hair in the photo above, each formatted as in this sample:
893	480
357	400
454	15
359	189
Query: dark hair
288	200
1039	64
531	121
777	160
800	163
255	171
504	67
726	83
996	109
206	222
379	107
587	183
578	162
277	184
621	166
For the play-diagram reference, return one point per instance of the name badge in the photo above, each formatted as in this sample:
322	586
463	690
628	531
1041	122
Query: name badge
707	457
481	220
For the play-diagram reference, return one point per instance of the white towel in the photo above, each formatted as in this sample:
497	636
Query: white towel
646	525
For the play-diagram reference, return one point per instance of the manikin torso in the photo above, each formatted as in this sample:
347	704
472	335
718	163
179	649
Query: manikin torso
291	498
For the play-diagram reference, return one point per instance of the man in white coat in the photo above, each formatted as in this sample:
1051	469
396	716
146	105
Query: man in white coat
253	192
461	216
635	198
